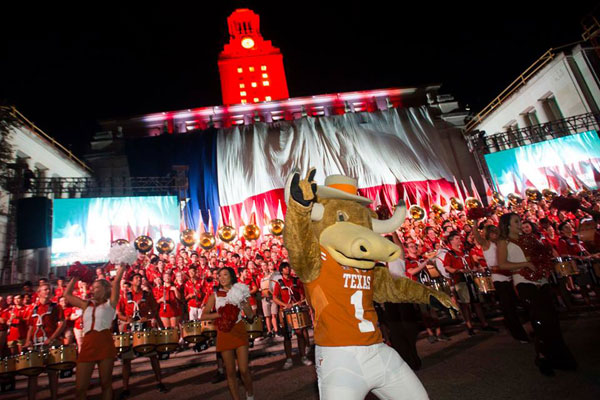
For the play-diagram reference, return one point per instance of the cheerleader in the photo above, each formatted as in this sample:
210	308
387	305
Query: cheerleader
98	346
232	343
533	288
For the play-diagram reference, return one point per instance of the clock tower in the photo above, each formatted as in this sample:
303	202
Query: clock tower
250	67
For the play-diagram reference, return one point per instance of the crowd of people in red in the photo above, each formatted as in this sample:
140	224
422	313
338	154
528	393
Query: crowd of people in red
446	251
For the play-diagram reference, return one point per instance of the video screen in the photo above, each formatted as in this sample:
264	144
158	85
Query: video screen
83	229
572	158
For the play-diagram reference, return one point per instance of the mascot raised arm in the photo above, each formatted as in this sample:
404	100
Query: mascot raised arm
333	244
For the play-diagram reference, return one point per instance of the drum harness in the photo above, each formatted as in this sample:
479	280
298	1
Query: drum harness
39	324
467	276
585	264
136	309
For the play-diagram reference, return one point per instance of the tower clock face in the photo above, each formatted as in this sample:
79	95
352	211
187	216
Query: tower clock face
247	43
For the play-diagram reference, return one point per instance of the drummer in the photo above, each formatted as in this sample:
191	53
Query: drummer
46	323
98	346
289	291
569	245
138	306
194	295
16	320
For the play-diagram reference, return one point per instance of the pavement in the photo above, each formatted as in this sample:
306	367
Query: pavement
486	366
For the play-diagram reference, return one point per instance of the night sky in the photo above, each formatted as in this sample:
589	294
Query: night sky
65	68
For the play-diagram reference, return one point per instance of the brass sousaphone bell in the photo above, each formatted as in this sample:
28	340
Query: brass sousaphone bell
227	233
143	244
251	232
498	199
207	240
276	227
514	199
188	237
165	245
472	202
119	242
533	195
417	213
437	210
456	204
548	194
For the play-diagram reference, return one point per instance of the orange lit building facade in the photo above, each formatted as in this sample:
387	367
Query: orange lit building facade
250	67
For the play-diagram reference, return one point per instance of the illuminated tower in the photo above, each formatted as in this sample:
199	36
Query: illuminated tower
251	68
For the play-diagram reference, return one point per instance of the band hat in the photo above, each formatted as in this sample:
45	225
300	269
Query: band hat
341	187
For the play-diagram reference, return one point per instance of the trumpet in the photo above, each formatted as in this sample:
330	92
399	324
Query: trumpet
251	232
207	240
188	237
276	227
533	195
456	204
227	233
417	213
143	243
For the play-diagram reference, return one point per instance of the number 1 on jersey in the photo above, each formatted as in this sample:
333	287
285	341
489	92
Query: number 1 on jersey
359	313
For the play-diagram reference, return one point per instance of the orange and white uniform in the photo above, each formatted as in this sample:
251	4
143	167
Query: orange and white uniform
350	356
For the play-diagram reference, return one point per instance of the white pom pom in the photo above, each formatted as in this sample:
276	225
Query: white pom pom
237	294
122	254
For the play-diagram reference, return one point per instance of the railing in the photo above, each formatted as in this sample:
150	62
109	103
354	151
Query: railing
92	187
44	136
483	144
513	87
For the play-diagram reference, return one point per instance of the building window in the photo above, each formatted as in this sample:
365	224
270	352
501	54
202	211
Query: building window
554	108
243	93
263	67
240	70
244	101
242	86
256	99
268	98
265	75
253	84
251	69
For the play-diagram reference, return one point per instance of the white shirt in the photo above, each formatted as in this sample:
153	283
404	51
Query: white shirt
104	317
491	258
515	254
397	268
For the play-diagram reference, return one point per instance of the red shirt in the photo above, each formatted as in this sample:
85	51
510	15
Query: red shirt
252	286
410	262
297	290
145	303
196	287
172	307
49	314
570	246
456	259
17	326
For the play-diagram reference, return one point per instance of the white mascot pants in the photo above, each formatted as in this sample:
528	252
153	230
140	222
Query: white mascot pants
351	372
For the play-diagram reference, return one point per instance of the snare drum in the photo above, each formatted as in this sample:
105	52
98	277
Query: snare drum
7	365
441	285
432	271
167	339
29	363
62	357
565	266
297	317
122	342
144	342
192	332
255	329
208	329
484	282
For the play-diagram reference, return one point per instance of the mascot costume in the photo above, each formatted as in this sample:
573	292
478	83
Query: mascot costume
333	243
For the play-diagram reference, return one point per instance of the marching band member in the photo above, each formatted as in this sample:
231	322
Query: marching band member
269	307
98	346
16	320
288	292
234	343
502	282
194	294
536	293
168	297
457	264
138	307
46	323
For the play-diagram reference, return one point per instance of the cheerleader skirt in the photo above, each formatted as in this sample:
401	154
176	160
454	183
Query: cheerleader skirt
97	346
236	337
